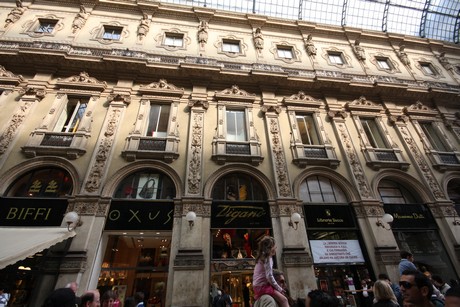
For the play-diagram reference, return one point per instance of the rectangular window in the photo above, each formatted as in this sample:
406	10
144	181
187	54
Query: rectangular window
236	126
231	46
383	64
70	118
307	130
433	137
373	133
174	40
285	53
158	121
112	33
427	69
335	58
46	26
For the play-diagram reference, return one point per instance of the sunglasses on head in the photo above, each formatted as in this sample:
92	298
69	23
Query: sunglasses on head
405	284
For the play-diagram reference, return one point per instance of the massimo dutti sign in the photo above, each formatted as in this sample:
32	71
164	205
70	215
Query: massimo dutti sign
140	215
234	214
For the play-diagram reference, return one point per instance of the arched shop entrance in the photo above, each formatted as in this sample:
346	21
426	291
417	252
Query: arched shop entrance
338	251
31	214
137	237
240	216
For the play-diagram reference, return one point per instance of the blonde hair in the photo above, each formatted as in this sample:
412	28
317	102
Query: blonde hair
383	291
265	248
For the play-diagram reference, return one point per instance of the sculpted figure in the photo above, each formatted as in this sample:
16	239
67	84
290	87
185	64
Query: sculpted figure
309	46
80	19
258	39
359	51
403	55
15	13
144	27
203	32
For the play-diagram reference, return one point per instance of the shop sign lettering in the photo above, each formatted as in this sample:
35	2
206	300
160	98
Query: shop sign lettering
238	214
140	215
32	211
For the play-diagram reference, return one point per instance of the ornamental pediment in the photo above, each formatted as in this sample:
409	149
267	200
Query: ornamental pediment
82	81
420	109
161	88
7	77
301	99
363	105
235	94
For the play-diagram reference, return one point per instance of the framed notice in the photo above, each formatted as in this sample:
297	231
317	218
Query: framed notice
336	251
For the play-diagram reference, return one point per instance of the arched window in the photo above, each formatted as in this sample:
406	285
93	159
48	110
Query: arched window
394	193
237	186
453	191
319	189
146	185
47	182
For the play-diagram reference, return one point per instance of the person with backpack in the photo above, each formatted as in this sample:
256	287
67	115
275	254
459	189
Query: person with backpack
222	299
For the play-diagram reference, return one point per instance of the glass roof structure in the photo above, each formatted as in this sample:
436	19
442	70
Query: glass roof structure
435	19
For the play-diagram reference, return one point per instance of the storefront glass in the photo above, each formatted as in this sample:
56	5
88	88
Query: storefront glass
415	229
240	217
138	231
335	241
36	199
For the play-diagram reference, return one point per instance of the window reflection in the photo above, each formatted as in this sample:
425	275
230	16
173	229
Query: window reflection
146	185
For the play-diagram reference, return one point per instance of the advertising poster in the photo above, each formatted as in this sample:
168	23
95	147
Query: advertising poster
336	251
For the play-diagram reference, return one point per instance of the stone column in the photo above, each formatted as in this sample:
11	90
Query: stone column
189	274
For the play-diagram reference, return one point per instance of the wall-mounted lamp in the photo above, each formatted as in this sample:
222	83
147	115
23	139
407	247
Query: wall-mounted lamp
456	222
72	220
294	221
386	220
190	217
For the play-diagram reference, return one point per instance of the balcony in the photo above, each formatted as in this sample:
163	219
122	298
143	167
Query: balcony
378	158
69	145
137	147
314	155
443	161
247	152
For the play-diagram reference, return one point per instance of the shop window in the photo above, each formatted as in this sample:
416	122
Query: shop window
318	189
415	228
50	182
134	263
310	145
236	138
238	187
379	148
240	217
146	185
155	134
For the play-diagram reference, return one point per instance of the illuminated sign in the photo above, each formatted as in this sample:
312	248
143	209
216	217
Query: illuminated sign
135	215
324	216
410	216
234	214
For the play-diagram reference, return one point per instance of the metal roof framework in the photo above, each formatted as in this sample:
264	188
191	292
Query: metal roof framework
434	19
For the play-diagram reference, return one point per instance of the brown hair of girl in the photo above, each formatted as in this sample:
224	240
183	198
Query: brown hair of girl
265	248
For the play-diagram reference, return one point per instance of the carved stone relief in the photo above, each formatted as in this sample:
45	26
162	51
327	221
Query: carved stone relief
282	179
196	147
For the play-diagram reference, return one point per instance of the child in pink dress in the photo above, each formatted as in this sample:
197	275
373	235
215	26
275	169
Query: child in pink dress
263	280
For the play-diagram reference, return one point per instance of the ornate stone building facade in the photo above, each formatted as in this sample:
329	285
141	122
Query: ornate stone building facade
182	135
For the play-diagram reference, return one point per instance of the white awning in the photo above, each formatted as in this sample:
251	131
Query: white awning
18	243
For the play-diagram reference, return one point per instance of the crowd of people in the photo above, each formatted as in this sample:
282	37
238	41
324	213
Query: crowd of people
416	287
67	297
